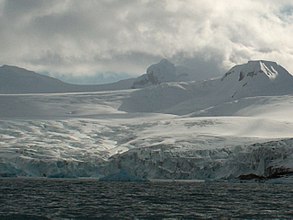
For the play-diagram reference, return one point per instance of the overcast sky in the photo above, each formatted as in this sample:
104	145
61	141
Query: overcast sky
87	37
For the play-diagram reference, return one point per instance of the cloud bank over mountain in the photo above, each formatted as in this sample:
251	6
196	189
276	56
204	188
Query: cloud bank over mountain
88	37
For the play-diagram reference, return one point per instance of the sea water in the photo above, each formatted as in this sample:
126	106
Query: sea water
25	198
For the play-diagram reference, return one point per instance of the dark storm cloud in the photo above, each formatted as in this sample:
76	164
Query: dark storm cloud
85	37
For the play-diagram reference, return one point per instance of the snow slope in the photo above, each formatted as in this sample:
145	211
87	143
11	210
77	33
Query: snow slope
210	134
84	135
259	106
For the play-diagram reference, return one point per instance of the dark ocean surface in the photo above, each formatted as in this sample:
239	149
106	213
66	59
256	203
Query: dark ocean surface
91	199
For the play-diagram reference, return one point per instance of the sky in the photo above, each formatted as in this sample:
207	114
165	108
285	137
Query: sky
105	40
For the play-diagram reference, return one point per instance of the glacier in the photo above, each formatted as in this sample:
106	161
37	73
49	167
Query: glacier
239	125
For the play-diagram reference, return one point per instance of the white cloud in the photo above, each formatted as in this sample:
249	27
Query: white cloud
85	37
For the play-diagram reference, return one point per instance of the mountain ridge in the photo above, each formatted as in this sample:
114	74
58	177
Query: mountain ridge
17	80
255	78
258	76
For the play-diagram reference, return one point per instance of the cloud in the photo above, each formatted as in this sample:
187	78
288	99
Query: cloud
87	37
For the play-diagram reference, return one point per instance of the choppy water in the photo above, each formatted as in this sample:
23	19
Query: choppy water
90	199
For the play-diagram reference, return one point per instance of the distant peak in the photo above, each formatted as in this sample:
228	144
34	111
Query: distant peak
257	68
163	71
165	61
163	67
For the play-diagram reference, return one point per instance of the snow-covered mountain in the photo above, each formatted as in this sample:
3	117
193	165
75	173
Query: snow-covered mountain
258	78
164	71
255	78
16	80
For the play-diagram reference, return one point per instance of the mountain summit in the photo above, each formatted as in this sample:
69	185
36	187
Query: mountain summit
165	71
256	69
258	77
